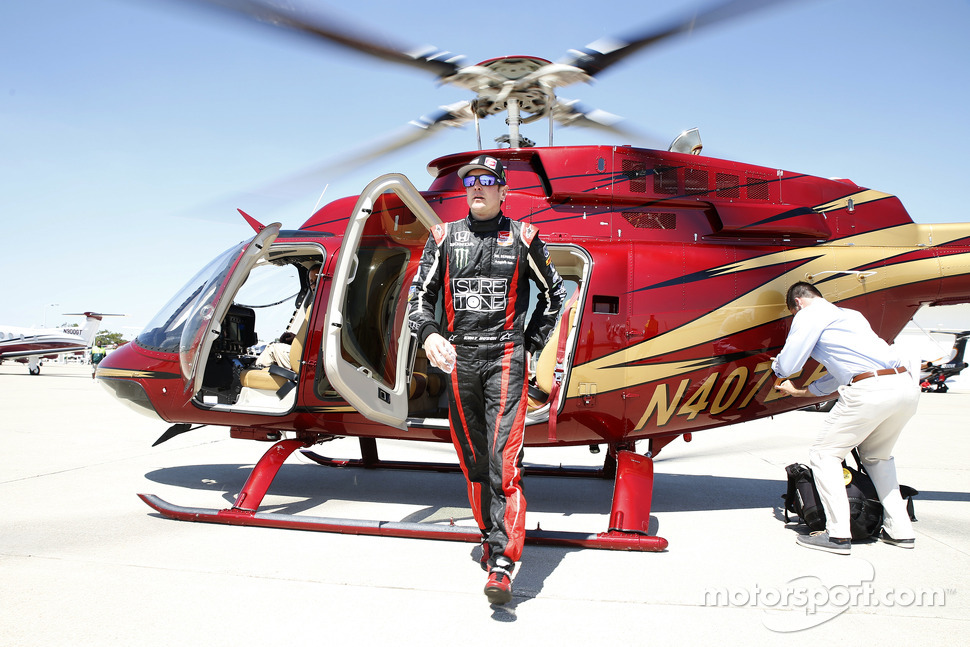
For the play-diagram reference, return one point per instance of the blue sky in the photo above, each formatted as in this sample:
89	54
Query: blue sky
131	129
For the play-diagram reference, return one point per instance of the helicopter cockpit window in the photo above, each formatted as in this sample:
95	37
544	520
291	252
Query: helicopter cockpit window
271	291
258	291
164	332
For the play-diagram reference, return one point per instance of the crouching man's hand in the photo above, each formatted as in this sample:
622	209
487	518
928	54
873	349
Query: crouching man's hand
788	388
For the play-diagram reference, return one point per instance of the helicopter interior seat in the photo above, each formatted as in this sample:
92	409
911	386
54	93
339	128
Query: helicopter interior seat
417	385
546	363
429	383
426	387
276	378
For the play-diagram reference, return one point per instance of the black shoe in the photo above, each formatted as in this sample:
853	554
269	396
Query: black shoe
820	540
902	543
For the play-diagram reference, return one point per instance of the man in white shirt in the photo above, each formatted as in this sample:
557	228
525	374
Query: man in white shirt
877	397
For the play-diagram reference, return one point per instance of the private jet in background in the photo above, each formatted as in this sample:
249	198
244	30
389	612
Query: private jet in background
30	345
934	374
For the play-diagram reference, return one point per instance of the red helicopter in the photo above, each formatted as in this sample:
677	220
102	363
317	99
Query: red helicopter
676	264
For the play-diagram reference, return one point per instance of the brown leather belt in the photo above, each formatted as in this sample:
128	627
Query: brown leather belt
882	371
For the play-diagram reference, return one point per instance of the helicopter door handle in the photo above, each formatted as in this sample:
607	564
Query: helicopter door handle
861	275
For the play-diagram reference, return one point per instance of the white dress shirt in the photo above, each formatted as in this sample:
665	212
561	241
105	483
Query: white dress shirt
839	339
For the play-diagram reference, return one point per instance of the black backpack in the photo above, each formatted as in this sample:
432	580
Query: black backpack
865	511
801	499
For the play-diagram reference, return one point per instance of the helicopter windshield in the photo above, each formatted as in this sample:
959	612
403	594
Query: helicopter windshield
164	332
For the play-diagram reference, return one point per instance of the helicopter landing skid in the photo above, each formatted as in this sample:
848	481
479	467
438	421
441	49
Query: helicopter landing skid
370	460
629	517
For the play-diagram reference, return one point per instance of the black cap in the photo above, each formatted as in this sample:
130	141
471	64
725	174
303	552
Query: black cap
486	163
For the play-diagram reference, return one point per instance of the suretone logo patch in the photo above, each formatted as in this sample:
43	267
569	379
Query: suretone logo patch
479	295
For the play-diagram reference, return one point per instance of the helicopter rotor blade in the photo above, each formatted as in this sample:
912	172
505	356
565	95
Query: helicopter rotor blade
326	27
570	112
455	115
601	54
299	185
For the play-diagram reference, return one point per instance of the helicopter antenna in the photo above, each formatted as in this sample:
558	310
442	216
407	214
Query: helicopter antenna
320	199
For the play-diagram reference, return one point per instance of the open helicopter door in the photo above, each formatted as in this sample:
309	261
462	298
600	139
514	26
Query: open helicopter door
202	326
367	338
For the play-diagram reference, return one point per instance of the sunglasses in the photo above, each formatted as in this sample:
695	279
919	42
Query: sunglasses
484	180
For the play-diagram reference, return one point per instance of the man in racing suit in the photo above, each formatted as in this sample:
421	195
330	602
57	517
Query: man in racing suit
482	265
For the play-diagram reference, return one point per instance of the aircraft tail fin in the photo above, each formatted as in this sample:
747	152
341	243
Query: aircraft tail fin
959	346
90	330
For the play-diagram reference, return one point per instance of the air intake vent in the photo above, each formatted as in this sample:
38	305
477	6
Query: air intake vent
758	189
636	172
665	180
727	185
651	219
696	181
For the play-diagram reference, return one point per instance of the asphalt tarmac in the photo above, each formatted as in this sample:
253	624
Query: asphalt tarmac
84	562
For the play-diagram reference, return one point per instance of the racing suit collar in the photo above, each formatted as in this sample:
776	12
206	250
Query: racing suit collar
492	224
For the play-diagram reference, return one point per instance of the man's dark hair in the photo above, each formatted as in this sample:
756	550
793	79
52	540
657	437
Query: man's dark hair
800	290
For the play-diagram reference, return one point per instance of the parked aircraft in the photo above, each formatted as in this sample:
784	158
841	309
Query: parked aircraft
30	345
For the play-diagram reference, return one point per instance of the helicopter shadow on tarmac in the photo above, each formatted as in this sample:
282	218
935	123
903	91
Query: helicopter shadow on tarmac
306	487
438	497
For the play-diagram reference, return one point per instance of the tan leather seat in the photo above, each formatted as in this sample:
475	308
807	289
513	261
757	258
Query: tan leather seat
261	378
419	382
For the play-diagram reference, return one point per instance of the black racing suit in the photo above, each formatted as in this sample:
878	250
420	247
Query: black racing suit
483	269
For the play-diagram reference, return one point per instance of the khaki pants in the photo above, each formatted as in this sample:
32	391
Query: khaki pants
870	415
